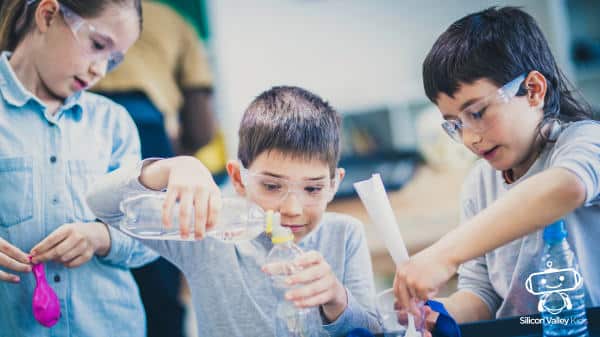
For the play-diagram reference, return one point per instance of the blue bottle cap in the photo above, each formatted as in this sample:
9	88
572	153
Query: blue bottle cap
555	232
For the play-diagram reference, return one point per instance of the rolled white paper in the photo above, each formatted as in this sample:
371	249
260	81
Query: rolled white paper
374	198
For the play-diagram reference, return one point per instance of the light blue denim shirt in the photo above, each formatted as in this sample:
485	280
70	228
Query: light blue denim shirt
46	165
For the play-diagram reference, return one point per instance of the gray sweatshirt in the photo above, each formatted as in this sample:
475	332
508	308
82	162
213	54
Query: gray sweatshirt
230	294
499	276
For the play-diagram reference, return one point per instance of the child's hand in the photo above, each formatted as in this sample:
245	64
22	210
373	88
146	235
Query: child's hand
73	244
427	314
421	277
14	259
188	181
430	320
318	286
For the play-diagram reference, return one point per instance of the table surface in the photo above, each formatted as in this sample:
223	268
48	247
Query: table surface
512	327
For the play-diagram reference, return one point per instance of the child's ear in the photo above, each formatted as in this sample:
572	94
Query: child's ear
537	87
45	13
339	176
233	170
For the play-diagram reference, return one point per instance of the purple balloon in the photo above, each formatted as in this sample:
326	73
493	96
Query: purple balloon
45	304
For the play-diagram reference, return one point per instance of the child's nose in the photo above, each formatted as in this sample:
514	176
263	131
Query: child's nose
98	68
470	137
291	205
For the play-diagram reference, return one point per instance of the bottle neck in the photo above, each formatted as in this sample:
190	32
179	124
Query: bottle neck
282	239
283	243
557	245
555	232
558	255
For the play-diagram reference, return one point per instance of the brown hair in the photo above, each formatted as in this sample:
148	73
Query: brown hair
16	16
291	120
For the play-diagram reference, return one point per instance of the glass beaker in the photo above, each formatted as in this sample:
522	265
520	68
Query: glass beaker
399	323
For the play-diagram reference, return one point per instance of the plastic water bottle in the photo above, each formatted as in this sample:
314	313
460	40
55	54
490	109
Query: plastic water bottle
290	321
238	220
560	286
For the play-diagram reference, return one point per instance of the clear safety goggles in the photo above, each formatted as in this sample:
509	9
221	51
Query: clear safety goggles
477	117
274	190
94	44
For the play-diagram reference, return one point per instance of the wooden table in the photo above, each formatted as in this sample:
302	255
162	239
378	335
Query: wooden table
426	209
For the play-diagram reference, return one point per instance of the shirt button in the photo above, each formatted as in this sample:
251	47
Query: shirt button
55	200
56	278
53	159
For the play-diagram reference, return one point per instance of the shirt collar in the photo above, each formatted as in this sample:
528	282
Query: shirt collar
11	88
16	94
73	103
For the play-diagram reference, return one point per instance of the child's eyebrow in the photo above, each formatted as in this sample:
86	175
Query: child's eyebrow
462	107
106	39
316	178
469	102
286	177
267	173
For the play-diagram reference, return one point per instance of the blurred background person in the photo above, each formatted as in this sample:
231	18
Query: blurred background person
166	85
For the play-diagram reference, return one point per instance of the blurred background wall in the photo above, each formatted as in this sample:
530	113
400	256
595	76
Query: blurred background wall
358	53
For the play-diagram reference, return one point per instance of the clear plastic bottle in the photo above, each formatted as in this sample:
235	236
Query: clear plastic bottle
290	321
239	219
560	286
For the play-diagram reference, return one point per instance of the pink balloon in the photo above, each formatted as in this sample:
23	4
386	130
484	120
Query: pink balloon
45	304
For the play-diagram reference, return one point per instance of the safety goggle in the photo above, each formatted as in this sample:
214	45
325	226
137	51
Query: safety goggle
476	116
273	190
94	43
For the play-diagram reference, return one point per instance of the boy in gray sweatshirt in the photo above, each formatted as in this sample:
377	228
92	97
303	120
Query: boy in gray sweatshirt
288	154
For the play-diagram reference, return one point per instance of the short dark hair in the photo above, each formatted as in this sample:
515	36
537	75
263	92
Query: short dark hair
291	120
499	44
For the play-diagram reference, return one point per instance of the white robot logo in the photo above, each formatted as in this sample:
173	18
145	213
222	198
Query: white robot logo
553	284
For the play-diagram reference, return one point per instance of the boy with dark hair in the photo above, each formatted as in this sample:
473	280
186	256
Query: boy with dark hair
289	149
502	95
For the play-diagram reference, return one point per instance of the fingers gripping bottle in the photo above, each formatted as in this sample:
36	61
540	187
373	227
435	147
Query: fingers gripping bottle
290	321
238	220
559	286
45	304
